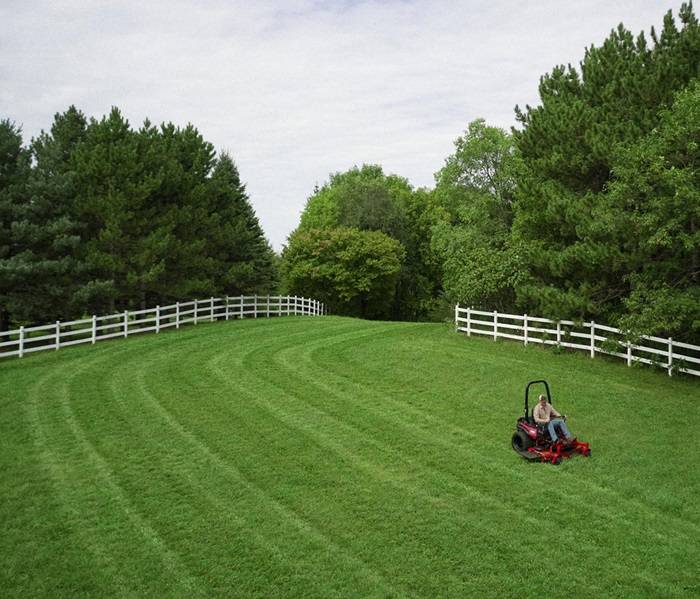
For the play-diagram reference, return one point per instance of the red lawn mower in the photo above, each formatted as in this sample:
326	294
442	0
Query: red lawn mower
533	442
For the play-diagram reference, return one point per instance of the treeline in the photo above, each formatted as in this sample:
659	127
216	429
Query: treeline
96	217
590	208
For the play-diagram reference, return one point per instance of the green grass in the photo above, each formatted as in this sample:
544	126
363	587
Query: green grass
309	457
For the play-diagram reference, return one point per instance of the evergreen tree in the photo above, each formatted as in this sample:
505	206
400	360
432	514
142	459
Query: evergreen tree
52	222
565	222
40	264
142	199
243	261
656	194
14	173
111	202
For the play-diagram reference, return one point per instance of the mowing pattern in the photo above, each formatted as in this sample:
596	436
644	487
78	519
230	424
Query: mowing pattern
337	457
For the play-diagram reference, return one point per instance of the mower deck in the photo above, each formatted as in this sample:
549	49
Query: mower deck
558	451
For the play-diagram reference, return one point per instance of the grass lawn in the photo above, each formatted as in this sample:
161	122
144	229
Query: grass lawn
320	457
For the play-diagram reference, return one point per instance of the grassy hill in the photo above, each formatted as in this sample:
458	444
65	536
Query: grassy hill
314	457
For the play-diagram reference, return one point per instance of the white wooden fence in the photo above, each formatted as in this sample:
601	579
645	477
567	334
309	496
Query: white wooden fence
97	328
587	336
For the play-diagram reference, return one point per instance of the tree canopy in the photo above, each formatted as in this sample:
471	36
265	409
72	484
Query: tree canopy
575	244
353	272
366	199
103	217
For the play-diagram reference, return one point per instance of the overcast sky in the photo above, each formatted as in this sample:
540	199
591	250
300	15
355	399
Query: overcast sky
299	89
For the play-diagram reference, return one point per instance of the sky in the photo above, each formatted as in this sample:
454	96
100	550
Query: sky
296	90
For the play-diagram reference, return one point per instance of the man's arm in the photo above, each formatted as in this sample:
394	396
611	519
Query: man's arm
554	412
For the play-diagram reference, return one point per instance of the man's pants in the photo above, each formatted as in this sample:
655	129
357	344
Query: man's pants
561	424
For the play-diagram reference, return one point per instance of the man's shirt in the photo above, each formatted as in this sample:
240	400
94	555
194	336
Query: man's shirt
544	413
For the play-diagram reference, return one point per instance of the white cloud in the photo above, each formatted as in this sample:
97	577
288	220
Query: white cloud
298	89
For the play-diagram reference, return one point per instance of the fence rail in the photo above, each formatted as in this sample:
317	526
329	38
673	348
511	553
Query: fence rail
57	335
591	337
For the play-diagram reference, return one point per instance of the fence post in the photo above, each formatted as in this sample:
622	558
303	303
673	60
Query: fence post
592	339
94	328
196	309
126	323
629	353
211	309
227	307
457	317
241	308
267	315
21	341
158	318
670	356
255	306
295	305
58	334
469	321
495	324
558	333
177	315
525	327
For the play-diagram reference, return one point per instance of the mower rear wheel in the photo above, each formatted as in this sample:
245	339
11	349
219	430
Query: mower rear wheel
521	442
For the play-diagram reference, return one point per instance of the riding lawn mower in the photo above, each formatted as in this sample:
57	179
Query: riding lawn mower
533	441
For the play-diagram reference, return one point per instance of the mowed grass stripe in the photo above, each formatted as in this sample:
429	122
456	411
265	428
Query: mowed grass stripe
332	457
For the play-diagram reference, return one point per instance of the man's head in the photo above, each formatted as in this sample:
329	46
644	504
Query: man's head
543	399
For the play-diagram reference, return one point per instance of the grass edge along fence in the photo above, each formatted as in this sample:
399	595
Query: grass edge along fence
586	336
63	334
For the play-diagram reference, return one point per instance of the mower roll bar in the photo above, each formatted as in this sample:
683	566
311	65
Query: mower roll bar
527	390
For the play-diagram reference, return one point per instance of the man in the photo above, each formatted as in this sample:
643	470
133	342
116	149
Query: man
545	414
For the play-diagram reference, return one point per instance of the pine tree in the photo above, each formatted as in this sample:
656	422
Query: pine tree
242	259
574	243
14	173
657	194
41	267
